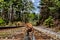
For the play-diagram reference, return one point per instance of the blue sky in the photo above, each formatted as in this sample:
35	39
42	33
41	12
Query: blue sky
36	3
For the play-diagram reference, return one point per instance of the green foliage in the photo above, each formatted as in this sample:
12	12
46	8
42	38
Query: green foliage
16	8
1	0
49	21
40	17
31	16
1	21
50	8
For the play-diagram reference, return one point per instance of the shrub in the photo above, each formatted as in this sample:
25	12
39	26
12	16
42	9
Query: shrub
19	24
49	21
1	21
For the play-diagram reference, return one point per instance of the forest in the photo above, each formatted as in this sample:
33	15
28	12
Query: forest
12	11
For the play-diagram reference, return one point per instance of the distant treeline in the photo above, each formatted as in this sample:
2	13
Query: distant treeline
50	12
17	10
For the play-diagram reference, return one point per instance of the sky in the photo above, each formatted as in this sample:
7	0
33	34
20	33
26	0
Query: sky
36	4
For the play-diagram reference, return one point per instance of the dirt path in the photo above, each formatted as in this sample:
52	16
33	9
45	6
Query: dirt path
18	34
48	32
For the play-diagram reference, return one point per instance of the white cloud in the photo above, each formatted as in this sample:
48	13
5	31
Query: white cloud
38	3
33	1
